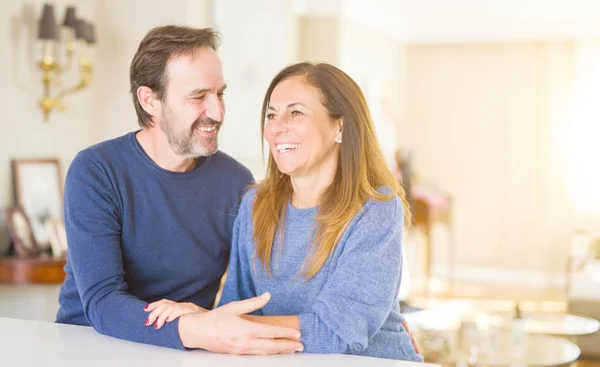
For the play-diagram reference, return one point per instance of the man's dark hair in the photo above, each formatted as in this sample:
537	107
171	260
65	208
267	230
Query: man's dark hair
161	44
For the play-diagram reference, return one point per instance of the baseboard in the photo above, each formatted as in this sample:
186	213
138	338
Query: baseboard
488	275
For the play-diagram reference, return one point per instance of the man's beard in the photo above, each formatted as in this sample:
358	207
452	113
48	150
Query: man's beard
186	144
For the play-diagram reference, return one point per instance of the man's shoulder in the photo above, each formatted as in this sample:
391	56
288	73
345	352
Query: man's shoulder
101	156
229	165
106	149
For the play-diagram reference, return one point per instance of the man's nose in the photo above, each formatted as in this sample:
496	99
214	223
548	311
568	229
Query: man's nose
215	110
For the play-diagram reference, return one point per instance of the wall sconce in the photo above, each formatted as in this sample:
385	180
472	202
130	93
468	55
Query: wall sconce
78	38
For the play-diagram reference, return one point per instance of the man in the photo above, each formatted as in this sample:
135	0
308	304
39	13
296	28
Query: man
149	215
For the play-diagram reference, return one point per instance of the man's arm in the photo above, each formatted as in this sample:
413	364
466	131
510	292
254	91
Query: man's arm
93	225
92	220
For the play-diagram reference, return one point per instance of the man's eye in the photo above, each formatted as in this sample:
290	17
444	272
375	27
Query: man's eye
221	95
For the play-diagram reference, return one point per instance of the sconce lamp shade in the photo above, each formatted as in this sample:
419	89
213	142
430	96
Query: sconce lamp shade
91	34
81	30
70	18
48	29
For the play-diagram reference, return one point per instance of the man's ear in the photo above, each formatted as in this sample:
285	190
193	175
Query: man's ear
149	101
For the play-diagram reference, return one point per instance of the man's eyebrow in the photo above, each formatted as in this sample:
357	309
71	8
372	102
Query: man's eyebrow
198	91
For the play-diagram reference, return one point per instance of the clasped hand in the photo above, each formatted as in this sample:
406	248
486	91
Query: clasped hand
224	330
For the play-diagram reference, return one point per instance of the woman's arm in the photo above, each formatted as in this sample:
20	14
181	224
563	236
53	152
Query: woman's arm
362	289
286	321
294	323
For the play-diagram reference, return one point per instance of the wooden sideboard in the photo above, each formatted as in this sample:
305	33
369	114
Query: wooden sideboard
39	270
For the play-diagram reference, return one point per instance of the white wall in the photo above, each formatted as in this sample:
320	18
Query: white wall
436	21
24	134
253	49
121	27
260	37
258	40
319	39
482	92
484	123
102	111
374	61
105	109
497	21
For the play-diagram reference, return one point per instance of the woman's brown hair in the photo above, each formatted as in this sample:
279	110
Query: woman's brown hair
361	169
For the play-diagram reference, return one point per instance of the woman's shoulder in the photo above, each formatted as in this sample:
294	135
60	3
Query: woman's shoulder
392	208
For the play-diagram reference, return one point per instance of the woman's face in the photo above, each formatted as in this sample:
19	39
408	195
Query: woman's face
301	135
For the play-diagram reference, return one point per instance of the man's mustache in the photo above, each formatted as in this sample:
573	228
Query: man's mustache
205	122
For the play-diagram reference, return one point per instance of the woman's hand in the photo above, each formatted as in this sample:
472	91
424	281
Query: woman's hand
166	311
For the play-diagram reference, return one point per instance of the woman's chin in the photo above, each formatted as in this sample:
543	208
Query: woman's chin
286	170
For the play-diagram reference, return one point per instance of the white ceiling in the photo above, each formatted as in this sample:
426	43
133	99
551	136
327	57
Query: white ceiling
467	20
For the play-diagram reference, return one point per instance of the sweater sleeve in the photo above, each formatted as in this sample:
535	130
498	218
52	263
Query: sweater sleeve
238	283
362	288
93	225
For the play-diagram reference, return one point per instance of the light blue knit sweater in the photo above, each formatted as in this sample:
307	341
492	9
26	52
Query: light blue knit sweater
350	306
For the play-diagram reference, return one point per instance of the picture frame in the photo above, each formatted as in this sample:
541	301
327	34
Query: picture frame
58	237
21	232
38	191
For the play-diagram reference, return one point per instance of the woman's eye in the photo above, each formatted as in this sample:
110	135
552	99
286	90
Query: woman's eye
296	113
270	116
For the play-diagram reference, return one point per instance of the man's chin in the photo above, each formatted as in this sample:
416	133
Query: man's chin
205	151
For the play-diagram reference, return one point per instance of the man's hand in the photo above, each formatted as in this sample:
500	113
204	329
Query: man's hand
412	337
223	330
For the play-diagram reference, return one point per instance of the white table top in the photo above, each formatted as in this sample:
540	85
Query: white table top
498	350
448	317
35	343
436	330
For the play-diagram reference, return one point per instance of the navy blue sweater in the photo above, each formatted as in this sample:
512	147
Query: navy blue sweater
138	233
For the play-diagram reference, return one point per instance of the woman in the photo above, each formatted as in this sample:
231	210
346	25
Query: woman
322	232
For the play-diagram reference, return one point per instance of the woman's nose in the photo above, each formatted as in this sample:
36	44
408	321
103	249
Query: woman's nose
278	125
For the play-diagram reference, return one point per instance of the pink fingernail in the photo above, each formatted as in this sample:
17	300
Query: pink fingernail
146	307
156	326
168	319
147	322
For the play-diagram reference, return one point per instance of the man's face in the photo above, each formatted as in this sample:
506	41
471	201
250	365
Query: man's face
193	108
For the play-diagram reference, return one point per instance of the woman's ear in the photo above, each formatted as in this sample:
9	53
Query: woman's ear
339	133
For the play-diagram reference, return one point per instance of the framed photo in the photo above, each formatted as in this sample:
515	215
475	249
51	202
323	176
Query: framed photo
21	232
38	192
58	237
